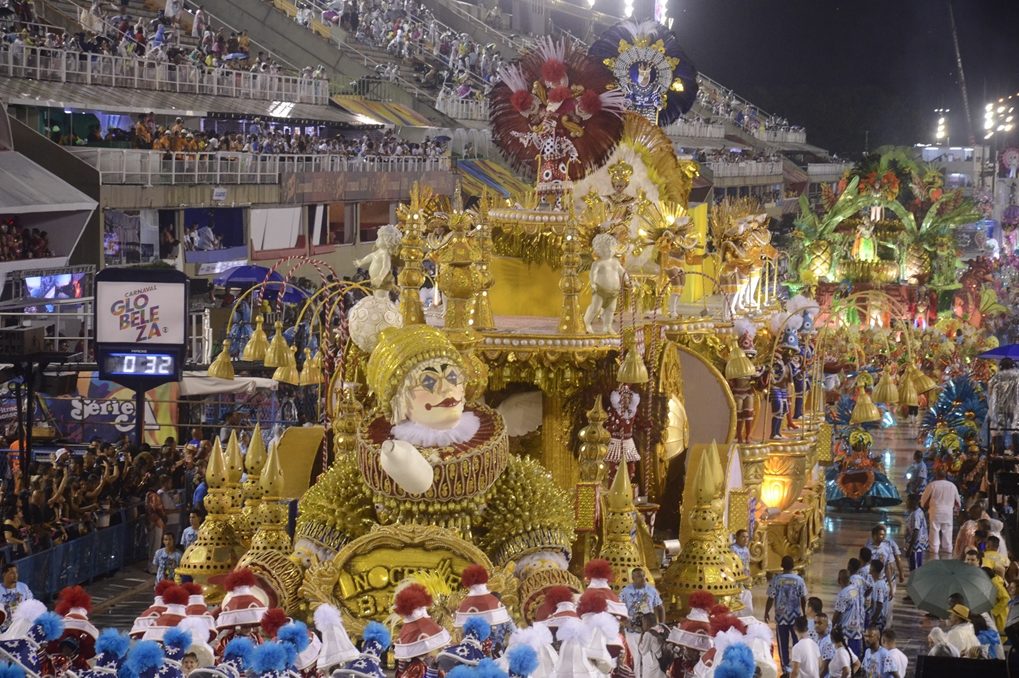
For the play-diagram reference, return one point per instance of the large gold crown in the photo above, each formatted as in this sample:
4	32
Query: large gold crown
398	351
621	170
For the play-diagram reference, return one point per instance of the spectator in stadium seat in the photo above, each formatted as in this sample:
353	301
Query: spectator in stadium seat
12	593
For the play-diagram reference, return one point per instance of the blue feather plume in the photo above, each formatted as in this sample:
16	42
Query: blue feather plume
51	623
11	671
375	631
239	650
461	671
295	633
739	654
523	660
487	668
478	627
113	642
269	657
177	638
145	655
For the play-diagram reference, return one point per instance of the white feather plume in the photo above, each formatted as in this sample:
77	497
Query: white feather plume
744	325
574	629
604	622
29	610
800	303
327	616
513	77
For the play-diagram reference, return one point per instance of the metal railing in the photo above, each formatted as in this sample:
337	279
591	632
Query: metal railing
461	108
151	168
781	135
748	168
42	63
827	169
698	130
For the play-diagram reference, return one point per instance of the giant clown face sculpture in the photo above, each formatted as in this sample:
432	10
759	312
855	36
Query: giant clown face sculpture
433	394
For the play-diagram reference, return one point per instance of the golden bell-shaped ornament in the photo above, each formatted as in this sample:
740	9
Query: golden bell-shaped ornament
222	367
258	343
311	374
865	411
922	382
886	391
287	372
739	366
908	396
278	353
632	370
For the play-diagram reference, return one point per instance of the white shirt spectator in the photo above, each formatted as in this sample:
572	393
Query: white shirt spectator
806	659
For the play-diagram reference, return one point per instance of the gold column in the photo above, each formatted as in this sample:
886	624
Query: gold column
594	445
483	319
571	320
618	523
412	275
556	452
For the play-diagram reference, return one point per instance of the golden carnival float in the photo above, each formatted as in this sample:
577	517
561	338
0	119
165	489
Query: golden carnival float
564	391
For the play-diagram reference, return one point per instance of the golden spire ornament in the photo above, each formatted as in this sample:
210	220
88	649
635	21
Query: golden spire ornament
702	564
287	373
618	523
269	555
251	494
217	548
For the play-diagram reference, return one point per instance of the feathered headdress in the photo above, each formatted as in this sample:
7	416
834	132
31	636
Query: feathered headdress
650	67
556	102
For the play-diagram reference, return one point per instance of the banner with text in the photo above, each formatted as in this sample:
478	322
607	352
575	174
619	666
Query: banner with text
105	410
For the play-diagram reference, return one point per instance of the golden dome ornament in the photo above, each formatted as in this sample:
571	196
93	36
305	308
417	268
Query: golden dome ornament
258	343
277	354
222	367
886	391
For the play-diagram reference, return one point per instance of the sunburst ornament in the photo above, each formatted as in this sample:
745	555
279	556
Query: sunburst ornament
658	80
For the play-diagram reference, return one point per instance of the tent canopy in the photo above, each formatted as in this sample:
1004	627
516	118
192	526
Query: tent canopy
201	384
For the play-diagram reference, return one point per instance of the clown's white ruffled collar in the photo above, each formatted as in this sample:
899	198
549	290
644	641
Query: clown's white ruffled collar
425	436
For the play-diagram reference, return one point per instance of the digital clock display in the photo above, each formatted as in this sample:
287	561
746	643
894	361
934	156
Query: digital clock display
141	364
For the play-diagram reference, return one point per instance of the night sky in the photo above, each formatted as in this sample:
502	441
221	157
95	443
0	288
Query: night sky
840	68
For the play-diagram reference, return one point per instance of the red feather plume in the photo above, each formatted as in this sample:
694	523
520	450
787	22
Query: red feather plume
590	102
560	94
176	595
241	577
162	585
192	588
553	71
473	575
600	131
522	100
592	601
411	598
702	600
598	568
725	622
558	594
73	596
272	620
718	609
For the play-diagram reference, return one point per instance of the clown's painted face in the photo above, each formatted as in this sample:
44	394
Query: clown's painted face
434	394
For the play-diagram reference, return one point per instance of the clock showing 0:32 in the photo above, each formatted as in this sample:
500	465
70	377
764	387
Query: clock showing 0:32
141	364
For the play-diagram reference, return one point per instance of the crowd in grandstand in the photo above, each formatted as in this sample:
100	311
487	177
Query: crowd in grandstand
22	243
259	138
411	34
725	103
